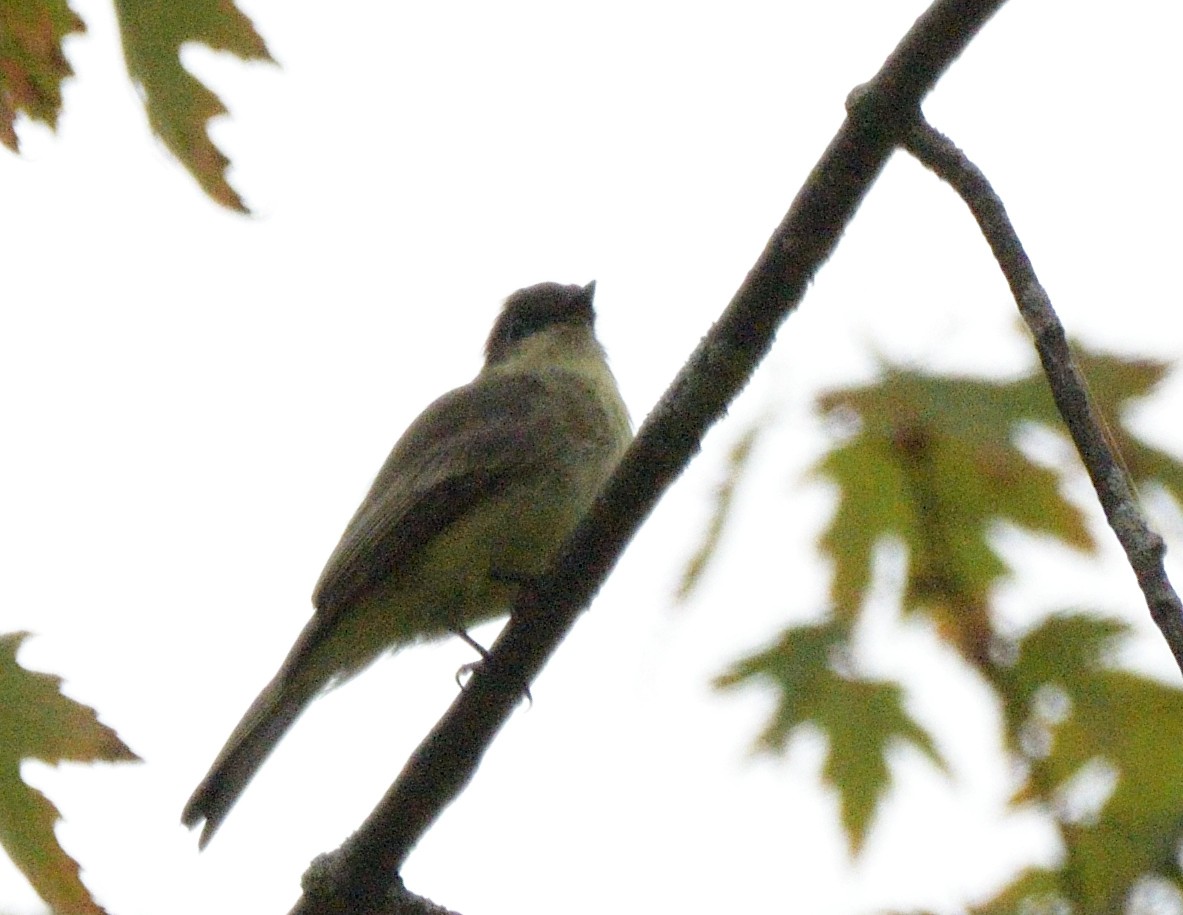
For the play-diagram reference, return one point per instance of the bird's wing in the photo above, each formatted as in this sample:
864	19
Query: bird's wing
470	443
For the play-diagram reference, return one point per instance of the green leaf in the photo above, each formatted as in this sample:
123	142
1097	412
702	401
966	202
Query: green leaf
178	105
38	722
1064	650
737	463
934	464
32	62
1136	726
1112	721
873	504
1034	891
1115	384
861	718
795	665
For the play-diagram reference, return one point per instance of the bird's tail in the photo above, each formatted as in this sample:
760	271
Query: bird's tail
261	728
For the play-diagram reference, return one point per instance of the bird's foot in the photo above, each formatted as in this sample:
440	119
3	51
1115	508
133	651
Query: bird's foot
465	670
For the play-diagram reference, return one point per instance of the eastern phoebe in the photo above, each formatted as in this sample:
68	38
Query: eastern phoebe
474	499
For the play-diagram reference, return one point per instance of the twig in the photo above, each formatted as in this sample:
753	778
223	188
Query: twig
1143	547
878	115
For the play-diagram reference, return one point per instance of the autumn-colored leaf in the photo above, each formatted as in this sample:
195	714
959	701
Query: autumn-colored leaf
862	719
38	722
32	62
179	106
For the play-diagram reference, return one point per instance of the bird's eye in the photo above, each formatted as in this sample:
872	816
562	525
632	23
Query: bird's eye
524	323
517	329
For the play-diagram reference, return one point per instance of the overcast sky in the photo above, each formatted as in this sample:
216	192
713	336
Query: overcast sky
196	402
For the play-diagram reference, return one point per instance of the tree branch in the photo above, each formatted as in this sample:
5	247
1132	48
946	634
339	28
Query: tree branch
1143	547
879	113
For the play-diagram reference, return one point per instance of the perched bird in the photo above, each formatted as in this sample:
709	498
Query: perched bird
474	500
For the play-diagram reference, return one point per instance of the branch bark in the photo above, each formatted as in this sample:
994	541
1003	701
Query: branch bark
879	113
1143	547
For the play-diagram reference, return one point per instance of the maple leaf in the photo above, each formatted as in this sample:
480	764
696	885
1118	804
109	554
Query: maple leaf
32	62
38	722
863	719
178	105
1115	384
934	464
1107	765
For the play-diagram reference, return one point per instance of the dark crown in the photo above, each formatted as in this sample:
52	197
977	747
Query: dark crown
536	308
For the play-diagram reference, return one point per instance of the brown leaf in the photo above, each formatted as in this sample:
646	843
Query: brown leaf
32	63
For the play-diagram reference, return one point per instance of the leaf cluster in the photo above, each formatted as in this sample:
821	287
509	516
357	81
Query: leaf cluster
934	464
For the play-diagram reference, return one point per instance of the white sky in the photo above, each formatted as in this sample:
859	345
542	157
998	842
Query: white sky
196	402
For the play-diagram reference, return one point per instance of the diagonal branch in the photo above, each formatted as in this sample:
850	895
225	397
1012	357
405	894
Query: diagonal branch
1143	547
879	113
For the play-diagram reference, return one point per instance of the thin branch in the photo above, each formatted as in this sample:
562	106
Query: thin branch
1143	547
879	113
